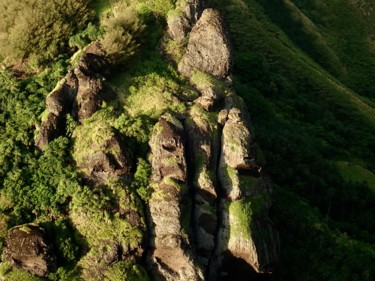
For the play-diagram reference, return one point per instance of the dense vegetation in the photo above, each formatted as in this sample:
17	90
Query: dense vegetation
312	106
305	69
38	31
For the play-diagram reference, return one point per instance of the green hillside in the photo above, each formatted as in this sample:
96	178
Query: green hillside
306	71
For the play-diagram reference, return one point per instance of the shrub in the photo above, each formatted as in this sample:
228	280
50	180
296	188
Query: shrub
83	38
38	30
122	27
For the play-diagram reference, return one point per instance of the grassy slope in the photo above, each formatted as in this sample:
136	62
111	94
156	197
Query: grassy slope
305	70
312	102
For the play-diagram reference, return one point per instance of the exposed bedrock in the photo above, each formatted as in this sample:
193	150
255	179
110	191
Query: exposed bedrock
203	140
209	48
171	254
81	93
28	248
181	20
246	234
192	9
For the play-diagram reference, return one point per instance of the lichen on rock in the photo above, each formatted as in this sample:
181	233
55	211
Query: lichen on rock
171	255
81	93
28	248
209	48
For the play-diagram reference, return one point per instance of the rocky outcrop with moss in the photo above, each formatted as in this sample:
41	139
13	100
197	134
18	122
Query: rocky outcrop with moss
170	205
209	47
81	93
28	248
201	203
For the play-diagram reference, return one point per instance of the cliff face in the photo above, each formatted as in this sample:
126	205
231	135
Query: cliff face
230	195
207	214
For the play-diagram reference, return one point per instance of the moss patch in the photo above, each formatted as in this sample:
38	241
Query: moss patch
126	271
158	91
356	173
240	213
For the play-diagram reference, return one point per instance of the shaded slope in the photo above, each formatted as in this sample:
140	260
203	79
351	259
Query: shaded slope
297	79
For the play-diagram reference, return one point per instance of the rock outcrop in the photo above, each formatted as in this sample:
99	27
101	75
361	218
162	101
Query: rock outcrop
246	234
204	142
231	194
104	160
181	20
209	48
92	88
210	201
81	93
192	9
100	152
178	26
28	248
171	254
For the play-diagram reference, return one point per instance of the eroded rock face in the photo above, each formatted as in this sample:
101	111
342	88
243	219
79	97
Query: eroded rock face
101	153
51	128
246	195
27	248
172	256
204	142
192	9
81	93
93	89
208	49
178	27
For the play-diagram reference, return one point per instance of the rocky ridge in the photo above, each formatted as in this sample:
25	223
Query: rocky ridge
101	156
231	196
210	201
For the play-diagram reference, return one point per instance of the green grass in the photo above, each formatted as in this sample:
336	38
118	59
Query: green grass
356	173
311	104
9	274
101	6
240	213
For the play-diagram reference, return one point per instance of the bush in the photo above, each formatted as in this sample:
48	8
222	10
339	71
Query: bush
83	38
123	27
38	30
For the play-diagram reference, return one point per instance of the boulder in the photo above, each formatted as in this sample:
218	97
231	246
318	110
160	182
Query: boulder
178	27
100	152
28	248
208	49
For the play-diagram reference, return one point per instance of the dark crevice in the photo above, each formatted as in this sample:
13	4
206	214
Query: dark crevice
212	270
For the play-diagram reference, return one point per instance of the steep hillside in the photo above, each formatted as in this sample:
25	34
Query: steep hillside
187	140
304	68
